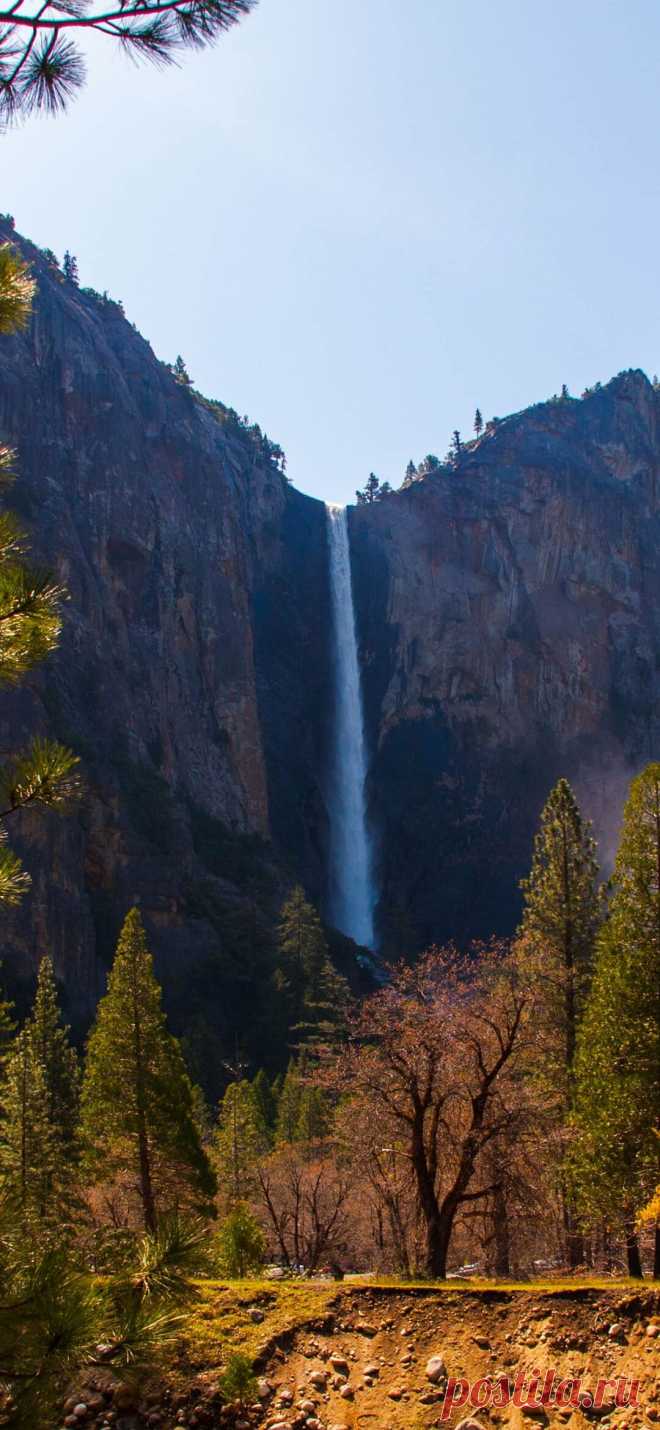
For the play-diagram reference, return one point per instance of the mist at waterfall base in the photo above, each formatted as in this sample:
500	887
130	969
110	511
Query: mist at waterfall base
351	897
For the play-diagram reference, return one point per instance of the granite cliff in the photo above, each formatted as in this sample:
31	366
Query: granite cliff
508	616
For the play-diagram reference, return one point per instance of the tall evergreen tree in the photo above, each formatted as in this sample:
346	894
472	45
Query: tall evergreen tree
313	993
241	1139
138	1112
370	492
289	1104
562	912
265	1097
561	916
56	1058
313	1120
478	423
618	1053
181	373
32	1170
70	268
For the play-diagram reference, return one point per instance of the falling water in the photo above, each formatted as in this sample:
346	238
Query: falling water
351	885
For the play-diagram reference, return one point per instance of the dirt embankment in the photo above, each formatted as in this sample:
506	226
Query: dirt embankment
376	1358
388	1360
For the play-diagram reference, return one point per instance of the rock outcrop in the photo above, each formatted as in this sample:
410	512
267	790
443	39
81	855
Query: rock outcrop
509	610
509	620
192	675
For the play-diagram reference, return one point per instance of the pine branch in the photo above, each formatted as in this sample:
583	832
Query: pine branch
44	774
42	68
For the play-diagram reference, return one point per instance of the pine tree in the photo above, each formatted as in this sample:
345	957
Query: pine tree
370	491
240	1140
241	1243
70	268
618	1051
478	423
562	911
456	444
314	994
181	373
313	1120
265	1097
564	392
561	916
288	1108
57	1060
410	475
29	624
137	1099
29	1158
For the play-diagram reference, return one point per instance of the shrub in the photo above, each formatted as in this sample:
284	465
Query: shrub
241	1244
238	1382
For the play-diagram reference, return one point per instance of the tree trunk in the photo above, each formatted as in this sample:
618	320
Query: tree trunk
574	1237
501	1234
146	1185
438	1235
146	1188
632	1252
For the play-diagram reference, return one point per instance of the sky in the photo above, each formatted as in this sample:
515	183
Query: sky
357	220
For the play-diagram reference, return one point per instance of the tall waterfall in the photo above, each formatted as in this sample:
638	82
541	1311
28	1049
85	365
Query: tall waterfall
351	884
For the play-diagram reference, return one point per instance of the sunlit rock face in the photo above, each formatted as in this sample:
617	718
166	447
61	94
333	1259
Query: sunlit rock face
509	613
507	619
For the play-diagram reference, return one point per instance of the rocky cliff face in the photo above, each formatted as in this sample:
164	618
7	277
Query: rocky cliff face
508	613
192	673
510	620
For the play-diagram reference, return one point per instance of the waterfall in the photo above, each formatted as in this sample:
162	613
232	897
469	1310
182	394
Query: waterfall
352	899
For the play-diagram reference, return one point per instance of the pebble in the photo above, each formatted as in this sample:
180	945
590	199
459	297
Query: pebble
435	1369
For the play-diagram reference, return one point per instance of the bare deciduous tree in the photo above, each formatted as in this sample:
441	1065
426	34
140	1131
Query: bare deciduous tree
436	1051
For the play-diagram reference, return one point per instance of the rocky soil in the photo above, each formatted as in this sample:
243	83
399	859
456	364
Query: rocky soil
381	1358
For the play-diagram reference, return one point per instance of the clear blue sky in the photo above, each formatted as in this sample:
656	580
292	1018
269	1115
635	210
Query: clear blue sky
357	219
